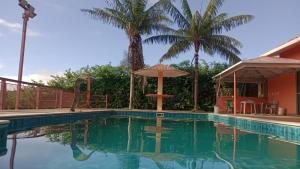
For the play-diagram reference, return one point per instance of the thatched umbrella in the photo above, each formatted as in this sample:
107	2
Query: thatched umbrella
160	71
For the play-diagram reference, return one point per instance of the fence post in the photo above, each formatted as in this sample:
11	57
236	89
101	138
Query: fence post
18	95
88	97
106	101
61	92
3	95
56	98
37	103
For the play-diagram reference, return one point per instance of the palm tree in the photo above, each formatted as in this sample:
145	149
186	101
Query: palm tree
202	32
136	19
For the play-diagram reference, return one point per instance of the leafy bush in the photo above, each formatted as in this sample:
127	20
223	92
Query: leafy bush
114	81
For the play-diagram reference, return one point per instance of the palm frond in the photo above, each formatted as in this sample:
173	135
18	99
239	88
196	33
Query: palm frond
105	16
157	7
223	39
176	49
118	5
186	9
228	55
233	22
196	25
157	18
157	28
163	39
213	8
118	14
176	14
139	7
222	45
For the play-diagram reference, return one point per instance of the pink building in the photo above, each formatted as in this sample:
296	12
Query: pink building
269	82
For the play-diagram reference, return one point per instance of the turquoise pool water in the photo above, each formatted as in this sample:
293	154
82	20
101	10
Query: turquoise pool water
100	142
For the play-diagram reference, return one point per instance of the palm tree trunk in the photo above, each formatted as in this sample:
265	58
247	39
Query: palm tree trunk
196	82
136	60
196	79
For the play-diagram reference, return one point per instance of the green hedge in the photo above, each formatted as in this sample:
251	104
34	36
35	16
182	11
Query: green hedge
114	81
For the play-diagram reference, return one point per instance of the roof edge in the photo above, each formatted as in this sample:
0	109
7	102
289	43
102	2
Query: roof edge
228	69
278	49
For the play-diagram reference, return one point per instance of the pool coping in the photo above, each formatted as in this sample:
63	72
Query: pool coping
45	112
58	112
295	124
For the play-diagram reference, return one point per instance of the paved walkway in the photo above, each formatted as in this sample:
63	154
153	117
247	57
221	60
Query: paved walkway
38	112
278	118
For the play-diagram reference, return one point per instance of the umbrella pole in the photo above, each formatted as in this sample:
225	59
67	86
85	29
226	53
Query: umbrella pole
158	135
160	82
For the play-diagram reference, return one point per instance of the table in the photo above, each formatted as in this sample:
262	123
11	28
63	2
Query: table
243	106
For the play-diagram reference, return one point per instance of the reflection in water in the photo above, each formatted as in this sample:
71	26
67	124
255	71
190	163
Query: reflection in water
132	143
3	139
13	152
77	153
129	134
157	130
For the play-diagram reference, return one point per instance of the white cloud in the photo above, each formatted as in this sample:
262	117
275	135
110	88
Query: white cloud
44	76
16	27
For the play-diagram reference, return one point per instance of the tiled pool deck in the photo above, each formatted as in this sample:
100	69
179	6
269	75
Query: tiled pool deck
277	126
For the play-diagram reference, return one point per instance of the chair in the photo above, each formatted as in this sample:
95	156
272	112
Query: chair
272	107
229	106
243	106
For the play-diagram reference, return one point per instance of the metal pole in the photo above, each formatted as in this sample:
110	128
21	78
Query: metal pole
234	94
25	20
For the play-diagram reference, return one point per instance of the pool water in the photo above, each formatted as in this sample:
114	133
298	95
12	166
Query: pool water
137	143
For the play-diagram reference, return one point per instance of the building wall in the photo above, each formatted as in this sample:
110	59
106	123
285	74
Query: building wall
283	89
293	53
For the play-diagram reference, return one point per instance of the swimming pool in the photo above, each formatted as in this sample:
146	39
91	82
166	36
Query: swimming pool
140	140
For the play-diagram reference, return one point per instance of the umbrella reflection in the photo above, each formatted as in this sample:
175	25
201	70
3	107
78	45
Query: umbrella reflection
77	152
158	130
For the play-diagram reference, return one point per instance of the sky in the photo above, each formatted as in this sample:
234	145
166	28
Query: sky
62	37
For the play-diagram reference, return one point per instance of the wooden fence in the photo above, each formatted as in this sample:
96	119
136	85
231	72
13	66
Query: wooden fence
35	96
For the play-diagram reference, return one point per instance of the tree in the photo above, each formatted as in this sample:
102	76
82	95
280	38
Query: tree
136	19
201	32
124	62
